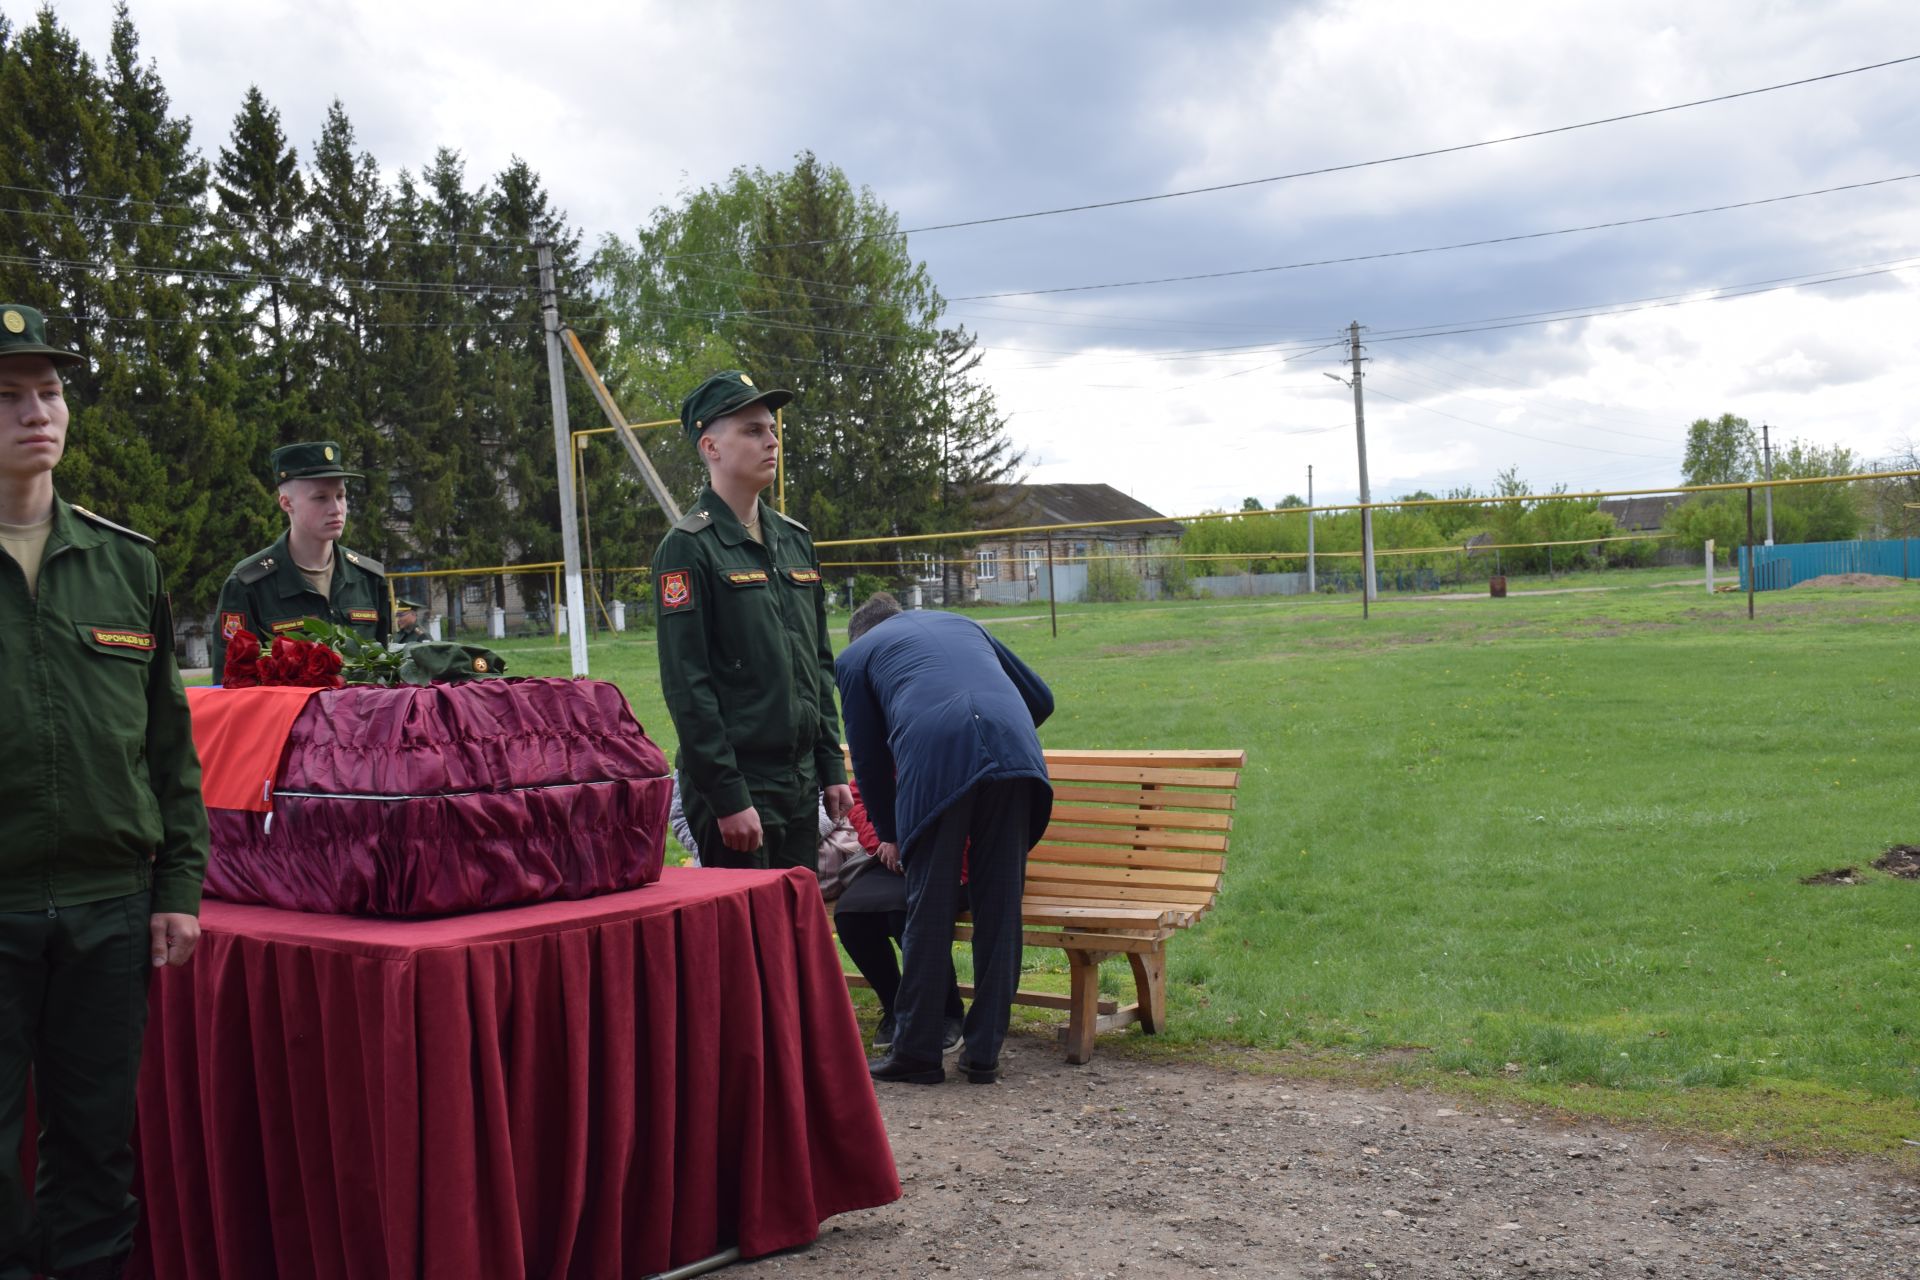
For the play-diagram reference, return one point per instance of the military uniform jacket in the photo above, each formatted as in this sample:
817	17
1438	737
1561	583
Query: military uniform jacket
101	794
266	595
744	658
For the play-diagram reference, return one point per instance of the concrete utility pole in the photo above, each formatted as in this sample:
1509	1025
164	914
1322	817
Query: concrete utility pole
1766	449
1366	494
1310	586
576	604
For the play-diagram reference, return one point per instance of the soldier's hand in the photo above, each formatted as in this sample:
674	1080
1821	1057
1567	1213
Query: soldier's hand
741	831
889	855
174	935
839	801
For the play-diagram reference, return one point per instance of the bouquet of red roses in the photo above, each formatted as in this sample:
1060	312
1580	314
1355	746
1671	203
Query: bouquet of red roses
302	663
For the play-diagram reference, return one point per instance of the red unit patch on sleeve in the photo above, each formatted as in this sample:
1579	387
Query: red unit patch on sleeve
676	591
230	625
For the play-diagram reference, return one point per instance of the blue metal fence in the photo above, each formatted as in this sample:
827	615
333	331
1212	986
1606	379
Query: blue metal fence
1782	566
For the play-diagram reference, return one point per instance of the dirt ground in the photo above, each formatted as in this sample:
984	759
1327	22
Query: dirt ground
1849	580
1129	1168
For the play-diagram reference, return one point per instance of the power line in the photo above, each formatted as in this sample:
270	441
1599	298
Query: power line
1348	167
109	269
1542	413
1373	389
1722	295
1437	248
462	239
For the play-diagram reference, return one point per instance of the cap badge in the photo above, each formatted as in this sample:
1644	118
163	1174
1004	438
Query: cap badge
480	665
745	381
16	323
328	453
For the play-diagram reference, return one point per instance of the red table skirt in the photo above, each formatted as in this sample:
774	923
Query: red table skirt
572	1089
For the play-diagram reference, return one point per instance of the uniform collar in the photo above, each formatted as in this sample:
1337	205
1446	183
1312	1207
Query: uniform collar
286	574
727	525
69	530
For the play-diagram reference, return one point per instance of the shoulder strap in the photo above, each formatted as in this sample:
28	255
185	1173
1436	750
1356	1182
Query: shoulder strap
364	562
694	521
105	523
254	569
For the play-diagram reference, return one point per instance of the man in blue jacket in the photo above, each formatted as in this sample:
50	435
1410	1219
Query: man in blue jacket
940	717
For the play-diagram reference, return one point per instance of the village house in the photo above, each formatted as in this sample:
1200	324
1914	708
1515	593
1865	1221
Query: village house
1013	568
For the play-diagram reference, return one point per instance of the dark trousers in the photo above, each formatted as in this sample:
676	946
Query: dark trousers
73	1009
787	797
989	825
870	917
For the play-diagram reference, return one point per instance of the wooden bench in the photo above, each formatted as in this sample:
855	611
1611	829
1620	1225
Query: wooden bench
1135	852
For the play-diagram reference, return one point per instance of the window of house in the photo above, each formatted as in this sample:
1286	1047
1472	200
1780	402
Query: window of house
929	568
1036	560
987	568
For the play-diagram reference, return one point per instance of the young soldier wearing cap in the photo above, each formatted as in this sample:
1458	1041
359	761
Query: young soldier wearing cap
406	622
306	574
744	657
103	838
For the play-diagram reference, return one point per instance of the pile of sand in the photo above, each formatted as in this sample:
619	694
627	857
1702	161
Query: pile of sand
1850	580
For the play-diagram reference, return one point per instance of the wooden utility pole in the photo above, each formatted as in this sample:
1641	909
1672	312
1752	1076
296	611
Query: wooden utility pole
1310	586
576	603
1766	449
622	431
1366	494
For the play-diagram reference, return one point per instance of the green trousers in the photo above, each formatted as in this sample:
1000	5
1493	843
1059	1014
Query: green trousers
787	797
73	1010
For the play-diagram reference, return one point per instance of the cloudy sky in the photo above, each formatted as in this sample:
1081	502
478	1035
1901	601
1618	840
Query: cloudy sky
1193	395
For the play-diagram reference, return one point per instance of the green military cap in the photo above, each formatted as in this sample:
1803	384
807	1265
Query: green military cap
310	460
728	391
446	662
401	602
23	332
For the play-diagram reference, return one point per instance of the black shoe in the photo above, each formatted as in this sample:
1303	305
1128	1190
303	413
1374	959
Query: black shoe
891	1068
883	1035
989	1074
956	1030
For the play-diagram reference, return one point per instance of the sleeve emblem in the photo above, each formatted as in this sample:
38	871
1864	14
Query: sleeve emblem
675	590
230	624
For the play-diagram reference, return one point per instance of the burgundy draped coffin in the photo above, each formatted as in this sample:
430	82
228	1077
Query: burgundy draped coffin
414	801
567	1091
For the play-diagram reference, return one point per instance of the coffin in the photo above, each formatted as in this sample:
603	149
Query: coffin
415	801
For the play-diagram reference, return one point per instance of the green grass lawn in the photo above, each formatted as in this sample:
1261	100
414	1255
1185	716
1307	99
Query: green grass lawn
1548	847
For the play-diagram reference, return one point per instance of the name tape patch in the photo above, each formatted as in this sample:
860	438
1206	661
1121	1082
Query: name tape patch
676	592
291	624
141	640
806	576
746	577
363	615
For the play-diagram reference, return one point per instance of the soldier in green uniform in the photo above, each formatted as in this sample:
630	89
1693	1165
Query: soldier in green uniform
103	837
744	657
306	574
406	622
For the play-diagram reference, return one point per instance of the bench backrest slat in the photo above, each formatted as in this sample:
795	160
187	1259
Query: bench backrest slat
1135	816
1168	859
1152	799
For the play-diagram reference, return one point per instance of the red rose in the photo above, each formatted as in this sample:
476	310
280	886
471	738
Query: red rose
242	670
321	668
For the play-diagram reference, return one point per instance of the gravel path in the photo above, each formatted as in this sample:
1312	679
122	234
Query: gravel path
1127	1168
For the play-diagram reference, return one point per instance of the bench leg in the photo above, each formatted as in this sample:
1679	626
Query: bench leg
1150	979
1083	968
